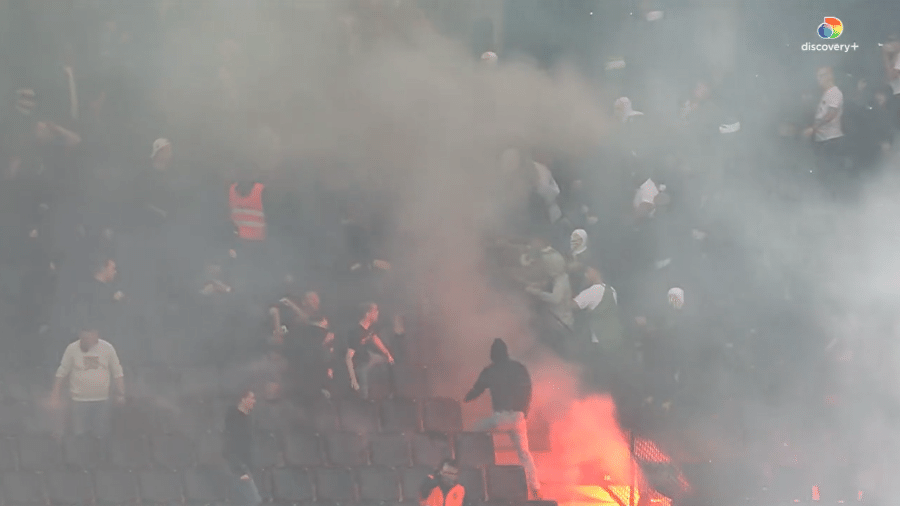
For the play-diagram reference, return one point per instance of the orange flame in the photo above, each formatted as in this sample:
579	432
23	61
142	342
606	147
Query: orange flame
589	433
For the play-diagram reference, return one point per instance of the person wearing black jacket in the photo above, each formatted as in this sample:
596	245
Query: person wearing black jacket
238	448
510	386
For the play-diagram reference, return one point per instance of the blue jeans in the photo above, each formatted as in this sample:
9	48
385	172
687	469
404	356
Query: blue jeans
245	492
90	417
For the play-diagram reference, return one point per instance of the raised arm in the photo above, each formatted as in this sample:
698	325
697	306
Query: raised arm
478	388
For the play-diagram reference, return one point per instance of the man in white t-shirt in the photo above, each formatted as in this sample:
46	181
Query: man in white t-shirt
826	128
90	365
605	349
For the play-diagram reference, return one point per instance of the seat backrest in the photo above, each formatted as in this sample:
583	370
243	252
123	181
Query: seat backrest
302	449
204	485
412	381
14	418
116	486
335	484
173	451
128	452
441	415
266	450
324	415
66	488
358	415
474	449
472	479
400	415
8	454
411	479
209	449
292	485
82	452
392	450
346	449
160	487
38	452
23	487
430	448
506	484
378	484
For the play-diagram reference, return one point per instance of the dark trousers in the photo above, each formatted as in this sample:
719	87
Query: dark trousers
893	106
90	417
245	492
830	165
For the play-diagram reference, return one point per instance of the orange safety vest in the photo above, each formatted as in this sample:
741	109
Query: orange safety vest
247	213
436	498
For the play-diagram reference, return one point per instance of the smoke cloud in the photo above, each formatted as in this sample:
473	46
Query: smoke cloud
420	125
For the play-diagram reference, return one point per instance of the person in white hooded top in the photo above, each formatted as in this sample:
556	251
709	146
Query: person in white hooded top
624	111
579	255
558	299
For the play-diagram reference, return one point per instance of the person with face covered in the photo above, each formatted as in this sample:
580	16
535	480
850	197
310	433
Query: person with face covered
510	386
578	250
557	323
667	346
90	365
442	487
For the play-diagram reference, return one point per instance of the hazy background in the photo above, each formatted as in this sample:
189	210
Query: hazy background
412	128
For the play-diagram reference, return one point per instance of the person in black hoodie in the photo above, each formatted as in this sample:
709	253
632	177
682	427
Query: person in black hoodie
238	448
510	386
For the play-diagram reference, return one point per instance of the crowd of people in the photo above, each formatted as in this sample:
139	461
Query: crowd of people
627	256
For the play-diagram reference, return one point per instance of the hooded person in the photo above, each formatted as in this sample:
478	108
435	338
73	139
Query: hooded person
578	248
624	110
676	298
510	386
558	324
669	344
631	134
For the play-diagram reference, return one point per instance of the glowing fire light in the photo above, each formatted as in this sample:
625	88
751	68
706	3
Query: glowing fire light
603	495
596	455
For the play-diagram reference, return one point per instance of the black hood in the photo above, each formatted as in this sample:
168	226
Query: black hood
499	352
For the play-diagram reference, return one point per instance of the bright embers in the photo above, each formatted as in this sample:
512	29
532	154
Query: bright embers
247	213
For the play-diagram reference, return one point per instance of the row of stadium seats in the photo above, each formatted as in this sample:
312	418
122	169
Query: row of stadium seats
296	448
160	416
284	485
193	381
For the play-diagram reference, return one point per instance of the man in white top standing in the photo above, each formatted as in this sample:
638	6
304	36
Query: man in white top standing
826	129
90	365
605	349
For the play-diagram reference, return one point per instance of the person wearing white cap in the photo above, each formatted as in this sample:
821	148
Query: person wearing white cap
489	58
25	101
161	154
676	298
559	320
153	196
624	111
